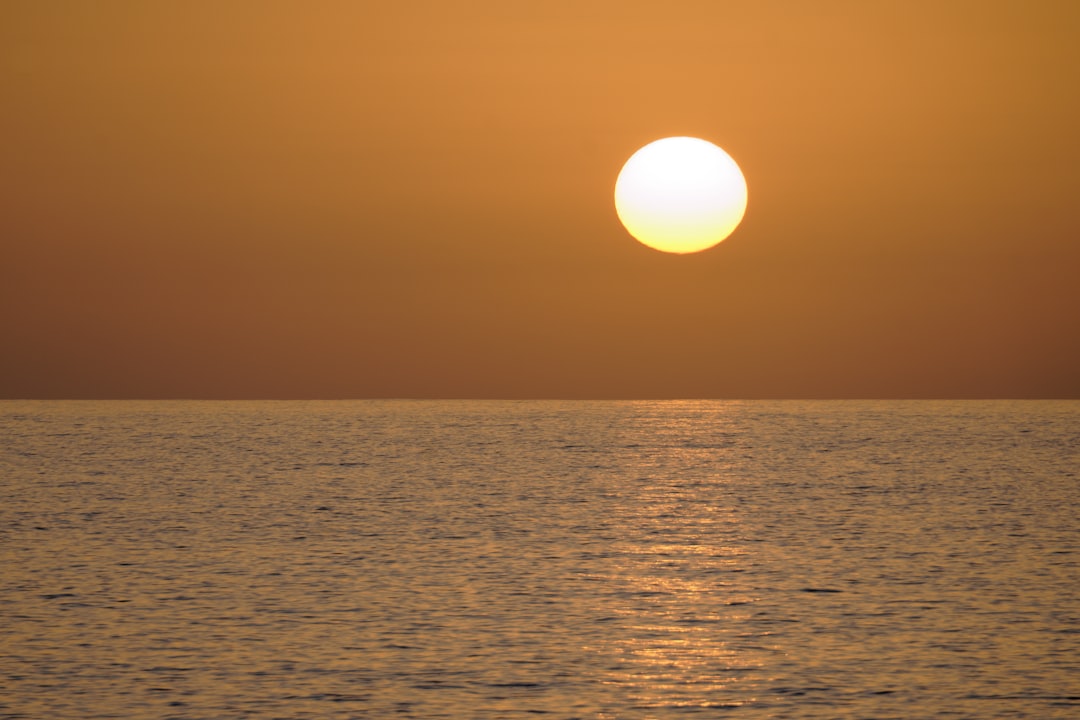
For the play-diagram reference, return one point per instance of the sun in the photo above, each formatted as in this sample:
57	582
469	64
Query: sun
680	195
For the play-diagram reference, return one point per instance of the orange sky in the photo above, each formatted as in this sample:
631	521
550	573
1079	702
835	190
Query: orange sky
414	199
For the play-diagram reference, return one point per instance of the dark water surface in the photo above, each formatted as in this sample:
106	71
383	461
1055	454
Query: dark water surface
539	559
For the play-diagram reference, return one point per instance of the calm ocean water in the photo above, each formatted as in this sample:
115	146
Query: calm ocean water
408	559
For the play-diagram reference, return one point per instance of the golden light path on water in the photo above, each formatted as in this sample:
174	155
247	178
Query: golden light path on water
684	594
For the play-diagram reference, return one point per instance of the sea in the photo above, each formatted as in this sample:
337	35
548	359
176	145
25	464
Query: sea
539	559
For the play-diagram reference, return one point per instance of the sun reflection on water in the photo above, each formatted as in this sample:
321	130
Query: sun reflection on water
683	641
684	633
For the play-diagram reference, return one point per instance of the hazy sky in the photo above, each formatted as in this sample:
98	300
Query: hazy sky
414	199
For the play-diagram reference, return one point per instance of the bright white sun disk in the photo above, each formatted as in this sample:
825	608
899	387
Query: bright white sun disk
680	195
